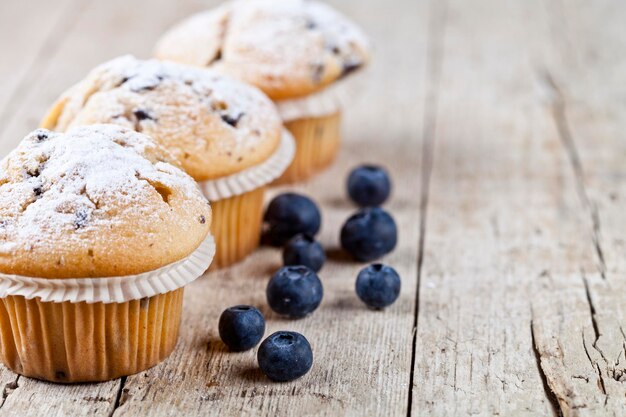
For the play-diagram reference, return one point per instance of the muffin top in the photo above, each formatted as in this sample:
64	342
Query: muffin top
287	48
96	201
214	125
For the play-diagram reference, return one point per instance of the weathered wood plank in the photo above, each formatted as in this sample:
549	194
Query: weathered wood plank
503	223
29	33
31	397
585	61
362	358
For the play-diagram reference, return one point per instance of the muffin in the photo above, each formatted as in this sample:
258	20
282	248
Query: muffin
227	135
295	51
99	232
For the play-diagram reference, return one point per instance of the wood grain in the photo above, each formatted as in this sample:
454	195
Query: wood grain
502	124
503	306
492	210
585	80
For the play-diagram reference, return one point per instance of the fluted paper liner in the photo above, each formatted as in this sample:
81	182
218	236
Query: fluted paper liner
253	177
87	342
236	226
318	140
112	289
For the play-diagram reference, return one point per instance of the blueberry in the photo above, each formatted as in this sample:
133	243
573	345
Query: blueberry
241	327
294	291
289	214
369	234
369	185
378	285
304	250
285	356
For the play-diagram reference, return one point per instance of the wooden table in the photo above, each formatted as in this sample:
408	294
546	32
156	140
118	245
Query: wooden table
503	125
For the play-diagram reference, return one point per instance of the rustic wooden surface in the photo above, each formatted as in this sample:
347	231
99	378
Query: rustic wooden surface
503	125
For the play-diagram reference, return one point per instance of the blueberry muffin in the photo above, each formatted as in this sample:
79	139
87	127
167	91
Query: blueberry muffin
96	203
296	51
223	132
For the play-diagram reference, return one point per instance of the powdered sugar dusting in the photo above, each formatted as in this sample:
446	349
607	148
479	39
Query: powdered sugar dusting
226	97
68	186
275	44
205	119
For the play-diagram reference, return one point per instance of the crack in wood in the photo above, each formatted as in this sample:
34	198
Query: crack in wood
436	30
597	334
594	321
623	344
559	115
596	369
601	384
9	387
553	399
120	397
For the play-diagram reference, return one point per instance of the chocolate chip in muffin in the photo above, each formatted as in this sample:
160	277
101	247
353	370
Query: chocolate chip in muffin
334	49
233	121
80	219
41	136
202	219
142	115
310	24
349	67
38	191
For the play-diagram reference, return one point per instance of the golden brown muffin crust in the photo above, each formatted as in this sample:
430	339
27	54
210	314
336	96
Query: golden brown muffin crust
214	126
287	48
96	201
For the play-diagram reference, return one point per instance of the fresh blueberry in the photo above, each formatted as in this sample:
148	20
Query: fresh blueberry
285	356
294	291
369	185
304	250
378	285
241	327
289	214
369	234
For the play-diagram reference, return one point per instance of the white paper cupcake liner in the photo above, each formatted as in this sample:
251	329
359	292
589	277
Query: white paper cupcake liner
323	103
113	289
253	177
